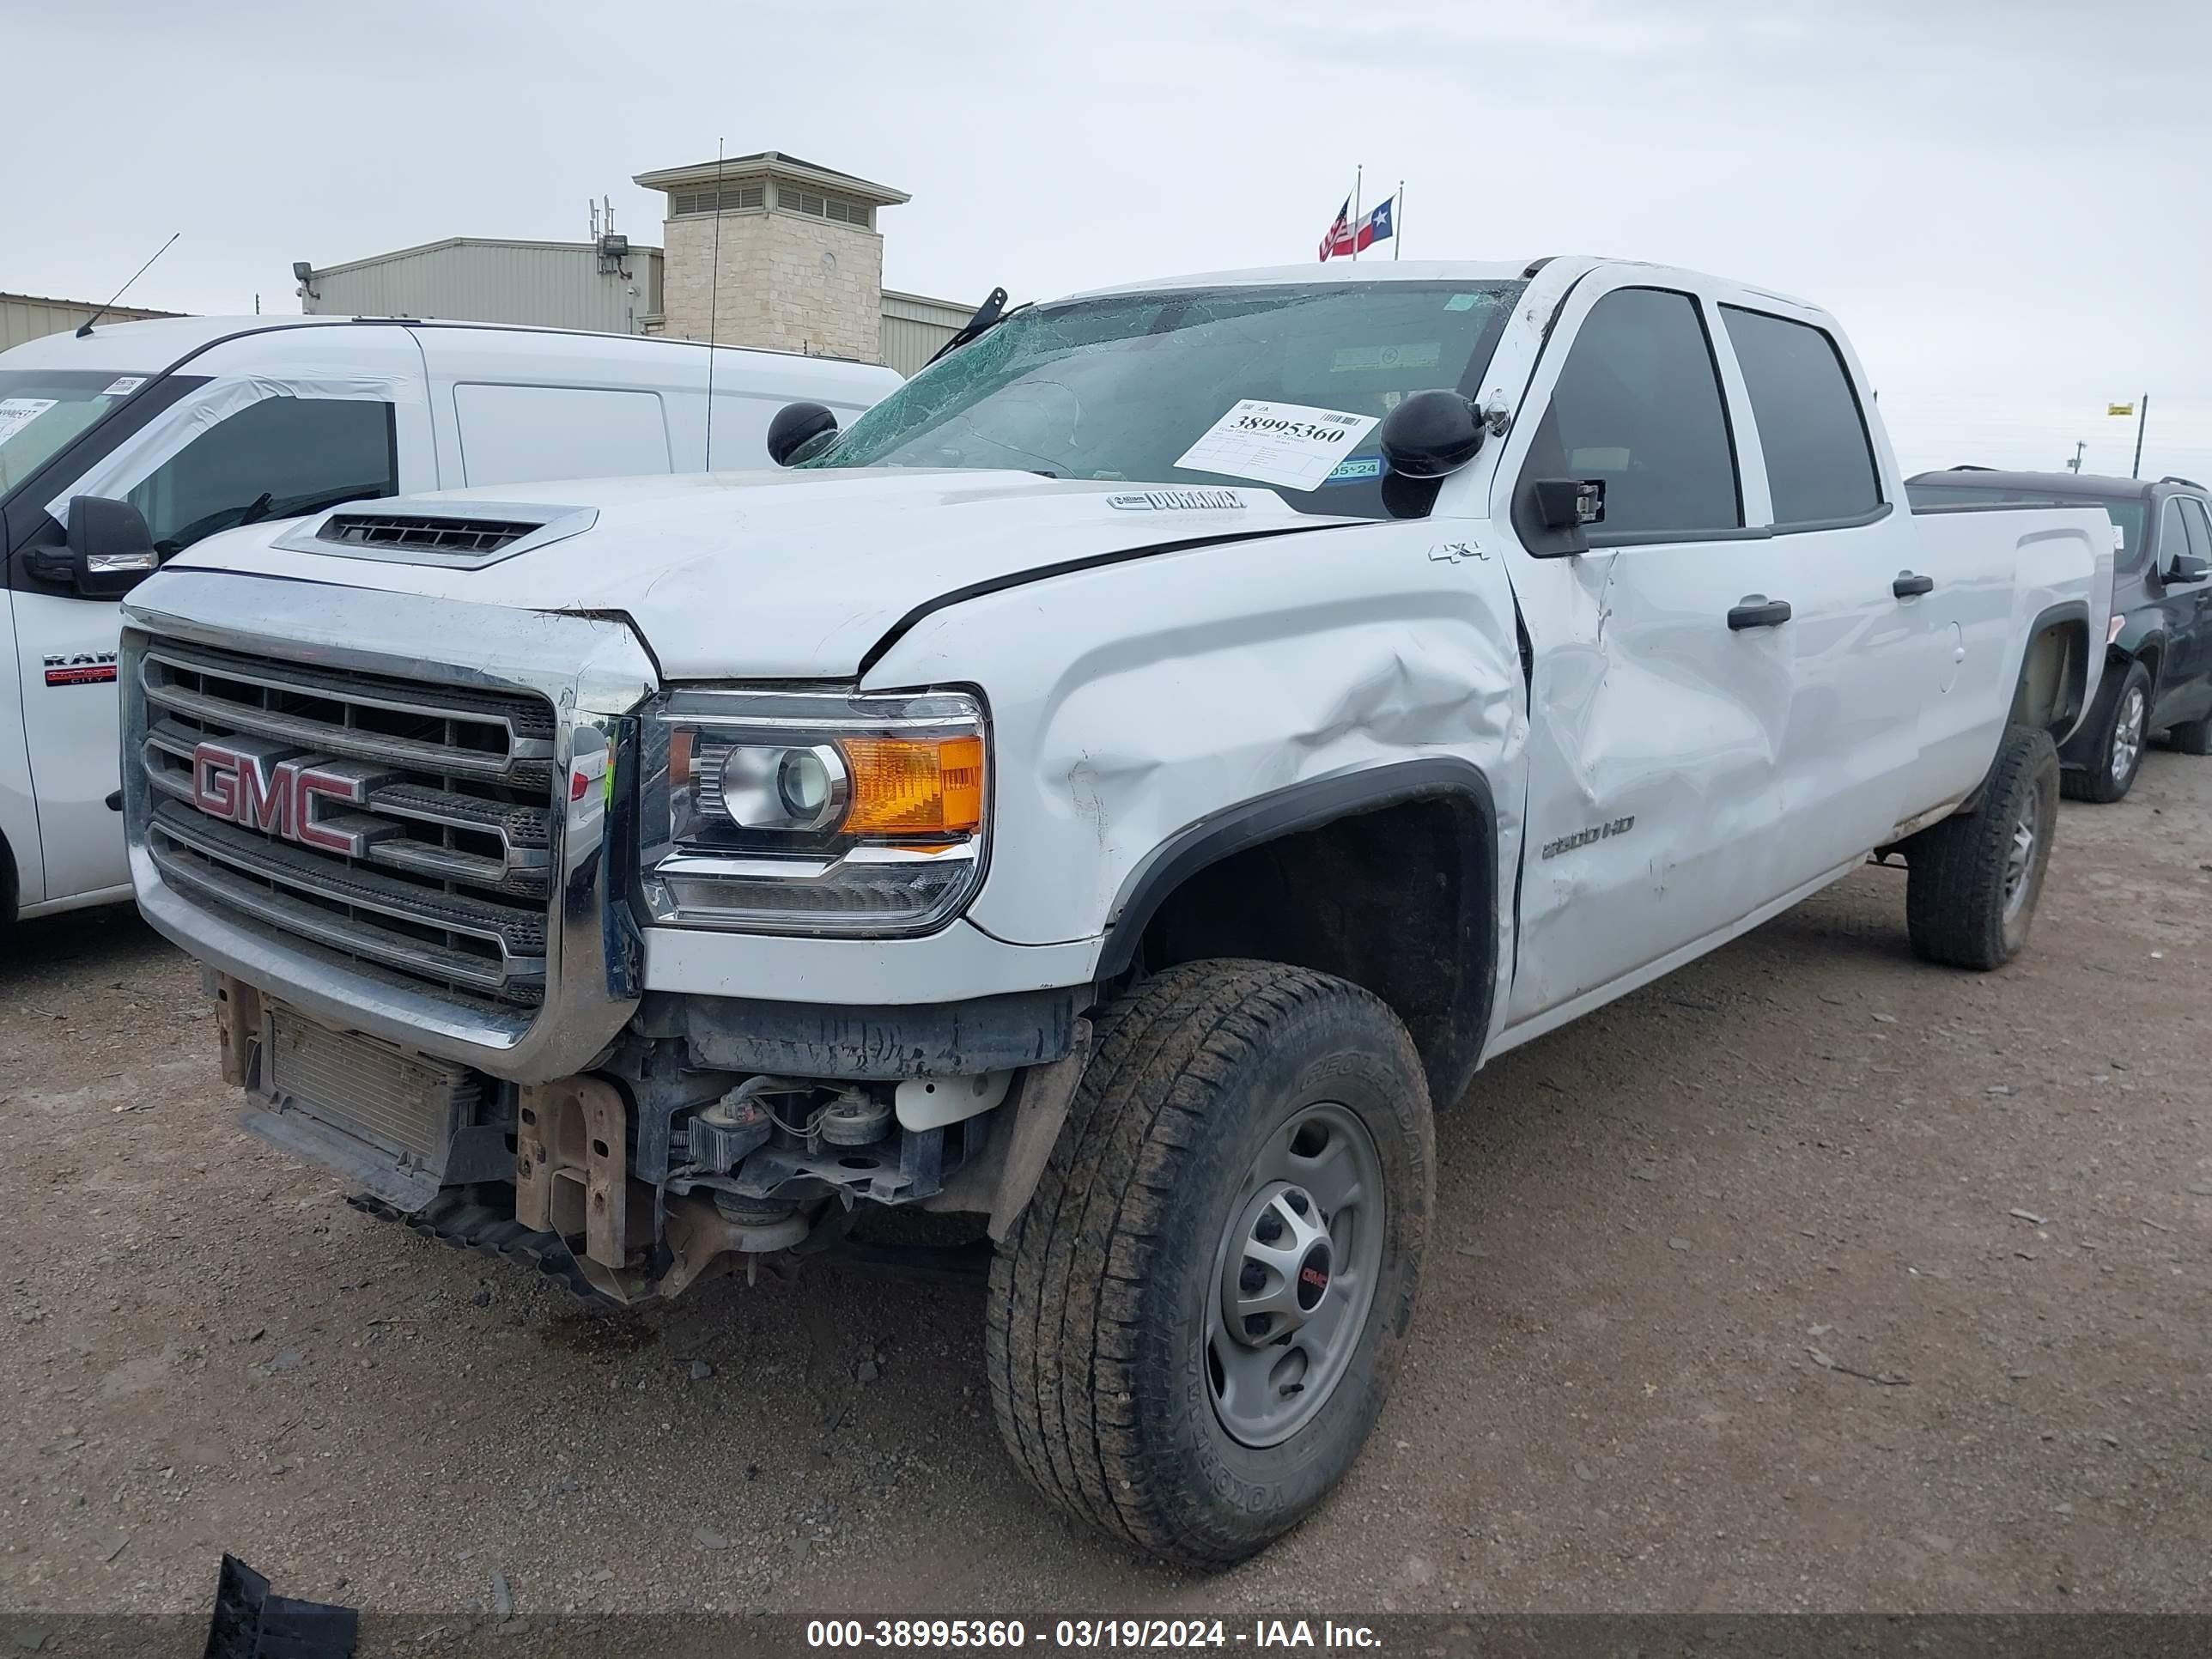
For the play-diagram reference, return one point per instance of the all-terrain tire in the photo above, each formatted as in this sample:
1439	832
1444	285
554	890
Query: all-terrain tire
2112	777
1099	1313
2191	737
1968	900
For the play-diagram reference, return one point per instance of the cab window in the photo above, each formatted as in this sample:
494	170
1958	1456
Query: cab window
276	458
1820	460
2200	530
1638	405
2172	538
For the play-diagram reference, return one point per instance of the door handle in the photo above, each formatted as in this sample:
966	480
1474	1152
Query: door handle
1757	610
1910	587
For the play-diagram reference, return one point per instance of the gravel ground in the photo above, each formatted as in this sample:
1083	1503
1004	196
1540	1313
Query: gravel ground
1808	1278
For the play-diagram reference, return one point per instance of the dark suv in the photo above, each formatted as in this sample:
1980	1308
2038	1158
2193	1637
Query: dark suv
2159	677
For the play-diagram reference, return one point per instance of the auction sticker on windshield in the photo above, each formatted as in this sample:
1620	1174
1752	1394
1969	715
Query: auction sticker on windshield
16	413
1289	445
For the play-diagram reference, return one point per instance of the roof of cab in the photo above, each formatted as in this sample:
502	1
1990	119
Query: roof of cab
1341	270
1561	270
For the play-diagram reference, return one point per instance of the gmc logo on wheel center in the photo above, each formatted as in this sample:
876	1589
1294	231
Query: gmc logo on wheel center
278	791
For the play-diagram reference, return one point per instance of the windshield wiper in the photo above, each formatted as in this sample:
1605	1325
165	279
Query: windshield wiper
989	316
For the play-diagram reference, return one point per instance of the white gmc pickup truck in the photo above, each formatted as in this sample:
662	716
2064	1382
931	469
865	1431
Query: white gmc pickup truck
1116	789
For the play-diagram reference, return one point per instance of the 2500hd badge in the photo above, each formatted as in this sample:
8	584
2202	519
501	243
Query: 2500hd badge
1552	849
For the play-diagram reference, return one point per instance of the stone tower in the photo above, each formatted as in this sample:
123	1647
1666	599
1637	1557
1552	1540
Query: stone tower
801	265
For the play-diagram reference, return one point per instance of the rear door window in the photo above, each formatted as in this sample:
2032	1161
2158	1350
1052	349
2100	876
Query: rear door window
1638	405
273	459
1820	460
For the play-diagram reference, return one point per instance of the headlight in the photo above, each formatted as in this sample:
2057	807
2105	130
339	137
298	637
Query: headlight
815	812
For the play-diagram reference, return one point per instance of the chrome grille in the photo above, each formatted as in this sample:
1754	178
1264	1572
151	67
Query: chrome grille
453	882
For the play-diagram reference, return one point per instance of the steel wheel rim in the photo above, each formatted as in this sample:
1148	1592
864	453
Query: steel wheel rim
2019	859
1269	1380
2127	734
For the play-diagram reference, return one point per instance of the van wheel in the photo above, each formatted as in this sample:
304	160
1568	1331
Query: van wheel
1971	882
2193	737
1193	1324
2119	757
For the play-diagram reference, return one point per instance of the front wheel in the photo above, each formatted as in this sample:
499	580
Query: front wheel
1971	882
1193	1324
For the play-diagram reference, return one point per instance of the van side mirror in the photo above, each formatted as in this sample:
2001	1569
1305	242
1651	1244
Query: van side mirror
798	431
109	550
2188	567
1430	434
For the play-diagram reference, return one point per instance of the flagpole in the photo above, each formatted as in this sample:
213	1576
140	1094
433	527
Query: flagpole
1397	218
1357	174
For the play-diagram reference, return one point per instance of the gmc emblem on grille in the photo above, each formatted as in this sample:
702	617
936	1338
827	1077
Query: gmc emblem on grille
281	792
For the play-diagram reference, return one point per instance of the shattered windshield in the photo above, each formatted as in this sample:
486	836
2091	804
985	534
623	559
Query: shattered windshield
1119	388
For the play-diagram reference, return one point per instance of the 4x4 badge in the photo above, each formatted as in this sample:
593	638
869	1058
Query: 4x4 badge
1453	552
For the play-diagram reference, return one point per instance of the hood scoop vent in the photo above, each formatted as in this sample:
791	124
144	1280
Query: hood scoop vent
427	535
463	535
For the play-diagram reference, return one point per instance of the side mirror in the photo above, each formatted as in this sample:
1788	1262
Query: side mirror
2188	567
1431	434
1569	503
109	552
798	431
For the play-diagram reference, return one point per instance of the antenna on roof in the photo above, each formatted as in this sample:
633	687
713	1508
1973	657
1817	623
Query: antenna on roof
713	299
85	327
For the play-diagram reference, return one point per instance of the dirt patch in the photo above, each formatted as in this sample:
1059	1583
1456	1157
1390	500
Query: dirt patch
1808	1278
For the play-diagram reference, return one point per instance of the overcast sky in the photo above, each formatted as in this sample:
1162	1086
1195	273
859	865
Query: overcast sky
2009	205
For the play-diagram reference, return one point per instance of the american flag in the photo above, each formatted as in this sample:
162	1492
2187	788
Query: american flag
1340	238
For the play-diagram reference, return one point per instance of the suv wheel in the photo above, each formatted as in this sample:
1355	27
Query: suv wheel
1971	882
2119	757
2193	737
1193	1324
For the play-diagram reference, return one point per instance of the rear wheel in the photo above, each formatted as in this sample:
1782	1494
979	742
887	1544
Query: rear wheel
2193	737
2119	757
1193	1324
1973	881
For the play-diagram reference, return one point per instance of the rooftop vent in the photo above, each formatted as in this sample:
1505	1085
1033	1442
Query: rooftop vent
425	534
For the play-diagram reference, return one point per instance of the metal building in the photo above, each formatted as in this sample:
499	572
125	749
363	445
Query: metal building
610	286
26	317
913	329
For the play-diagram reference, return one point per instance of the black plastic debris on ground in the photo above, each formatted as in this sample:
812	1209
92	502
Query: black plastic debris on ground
250	1623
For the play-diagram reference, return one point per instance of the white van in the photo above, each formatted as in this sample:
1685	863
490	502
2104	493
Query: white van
179	428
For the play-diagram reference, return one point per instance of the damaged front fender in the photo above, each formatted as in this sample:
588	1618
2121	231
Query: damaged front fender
1144	698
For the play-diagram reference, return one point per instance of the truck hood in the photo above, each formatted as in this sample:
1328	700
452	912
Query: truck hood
770	575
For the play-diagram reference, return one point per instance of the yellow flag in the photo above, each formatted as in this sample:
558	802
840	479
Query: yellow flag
2119	409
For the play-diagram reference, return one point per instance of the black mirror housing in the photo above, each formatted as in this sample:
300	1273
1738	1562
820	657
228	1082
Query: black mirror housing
2188	567
1431	434
798	431
111	551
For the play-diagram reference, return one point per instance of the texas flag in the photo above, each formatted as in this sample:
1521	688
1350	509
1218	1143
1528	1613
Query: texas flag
1375	226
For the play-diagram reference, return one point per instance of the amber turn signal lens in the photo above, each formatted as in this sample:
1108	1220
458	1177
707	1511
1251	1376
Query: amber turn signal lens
910	786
